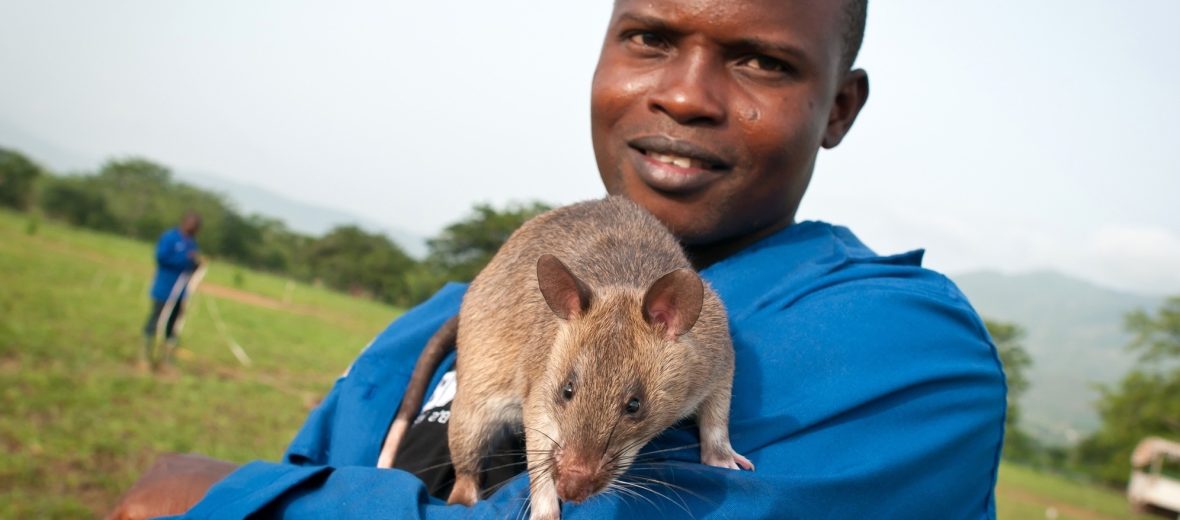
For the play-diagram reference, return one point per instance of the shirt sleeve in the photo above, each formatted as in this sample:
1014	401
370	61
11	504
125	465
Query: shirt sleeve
867	398
860	400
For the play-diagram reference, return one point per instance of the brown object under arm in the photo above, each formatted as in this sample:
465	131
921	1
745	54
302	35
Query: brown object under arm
171	486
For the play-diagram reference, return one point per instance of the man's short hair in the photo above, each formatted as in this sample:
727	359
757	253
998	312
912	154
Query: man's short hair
855	12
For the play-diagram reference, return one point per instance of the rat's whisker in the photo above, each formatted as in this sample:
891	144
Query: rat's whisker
651	489
665	450
551	439
648	489
670	485
624	488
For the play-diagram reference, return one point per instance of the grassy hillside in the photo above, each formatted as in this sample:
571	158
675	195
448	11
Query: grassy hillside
78	422
1023	493
1075	336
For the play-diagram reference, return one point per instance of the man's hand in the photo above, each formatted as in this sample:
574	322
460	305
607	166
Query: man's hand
170	487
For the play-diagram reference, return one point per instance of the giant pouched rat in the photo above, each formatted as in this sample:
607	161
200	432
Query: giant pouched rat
590	327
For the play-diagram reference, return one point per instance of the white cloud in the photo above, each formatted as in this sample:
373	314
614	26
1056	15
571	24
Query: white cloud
1145	259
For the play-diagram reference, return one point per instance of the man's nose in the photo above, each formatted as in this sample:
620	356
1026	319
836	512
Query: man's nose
690	90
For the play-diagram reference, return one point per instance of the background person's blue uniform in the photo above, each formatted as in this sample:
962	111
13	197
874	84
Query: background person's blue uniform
865	387
174	257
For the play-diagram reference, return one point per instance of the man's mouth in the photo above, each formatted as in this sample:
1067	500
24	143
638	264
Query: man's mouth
671	165
684	154
683	162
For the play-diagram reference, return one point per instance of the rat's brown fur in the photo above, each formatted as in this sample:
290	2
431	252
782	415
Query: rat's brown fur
611	313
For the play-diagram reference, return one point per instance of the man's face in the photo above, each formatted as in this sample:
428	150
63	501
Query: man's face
710	113
190	226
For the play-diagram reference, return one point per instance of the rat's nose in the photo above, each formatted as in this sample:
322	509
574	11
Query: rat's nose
575	483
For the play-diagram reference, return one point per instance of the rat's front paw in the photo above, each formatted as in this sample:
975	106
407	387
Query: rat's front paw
727	459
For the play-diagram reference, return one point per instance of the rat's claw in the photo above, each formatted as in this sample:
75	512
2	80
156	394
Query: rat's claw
743	462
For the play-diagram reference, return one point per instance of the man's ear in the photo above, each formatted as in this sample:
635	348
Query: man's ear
850	98
567	296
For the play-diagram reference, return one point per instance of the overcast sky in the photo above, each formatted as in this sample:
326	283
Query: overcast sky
1007	135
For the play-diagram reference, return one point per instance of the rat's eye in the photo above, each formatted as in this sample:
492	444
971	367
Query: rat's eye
567	392
633	406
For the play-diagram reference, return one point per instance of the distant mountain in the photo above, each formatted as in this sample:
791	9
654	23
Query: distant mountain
300	216
43	152
1074	334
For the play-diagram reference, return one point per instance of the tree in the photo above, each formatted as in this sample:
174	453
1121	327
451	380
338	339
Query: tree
1146	401
136	190
73	199
18	175
349	259
1018	445
1158	338
463	248
240	239
279	249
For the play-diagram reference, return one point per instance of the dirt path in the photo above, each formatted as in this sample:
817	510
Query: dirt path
249	298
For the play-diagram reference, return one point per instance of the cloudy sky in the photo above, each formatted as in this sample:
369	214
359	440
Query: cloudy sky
1005	135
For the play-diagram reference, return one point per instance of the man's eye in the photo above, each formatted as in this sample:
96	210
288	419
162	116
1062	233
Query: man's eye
766	63
647	39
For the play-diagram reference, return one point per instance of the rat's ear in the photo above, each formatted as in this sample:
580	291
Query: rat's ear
675	301
566	295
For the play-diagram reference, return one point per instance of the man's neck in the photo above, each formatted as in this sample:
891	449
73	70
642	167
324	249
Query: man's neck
705	255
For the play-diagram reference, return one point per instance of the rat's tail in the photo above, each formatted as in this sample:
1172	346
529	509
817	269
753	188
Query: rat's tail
436	349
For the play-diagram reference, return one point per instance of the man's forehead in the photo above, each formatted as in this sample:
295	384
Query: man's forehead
780	12
802	23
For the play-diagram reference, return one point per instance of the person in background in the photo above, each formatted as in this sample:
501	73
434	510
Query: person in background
177	257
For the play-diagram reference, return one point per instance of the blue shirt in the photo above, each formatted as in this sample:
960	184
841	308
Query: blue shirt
173	257
865	387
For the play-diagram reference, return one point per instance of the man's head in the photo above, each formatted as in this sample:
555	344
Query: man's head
710	113
190	223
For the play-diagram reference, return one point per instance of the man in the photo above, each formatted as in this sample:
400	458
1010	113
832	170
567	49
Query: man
865	386
177	257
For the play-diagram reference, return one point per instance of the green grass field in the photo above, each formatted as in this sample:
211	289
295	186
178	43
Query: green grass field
1026	494
79	423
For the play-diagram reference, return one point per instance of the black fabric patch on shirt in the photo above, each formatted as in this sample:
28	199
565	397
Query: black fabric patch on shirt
425	453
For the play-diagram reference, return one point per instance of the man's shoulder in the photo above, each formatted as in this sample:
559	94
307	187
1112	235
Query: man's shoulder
817	260
170	235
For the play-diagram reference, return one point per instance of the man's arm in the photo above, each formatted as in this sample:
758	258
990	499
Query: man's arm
853	401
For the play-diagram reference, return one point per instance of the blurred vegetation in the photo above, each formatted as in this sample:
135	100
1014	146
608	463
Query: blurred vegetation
1024	493
461	250
1145	403
1018	445
17	177
138	198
